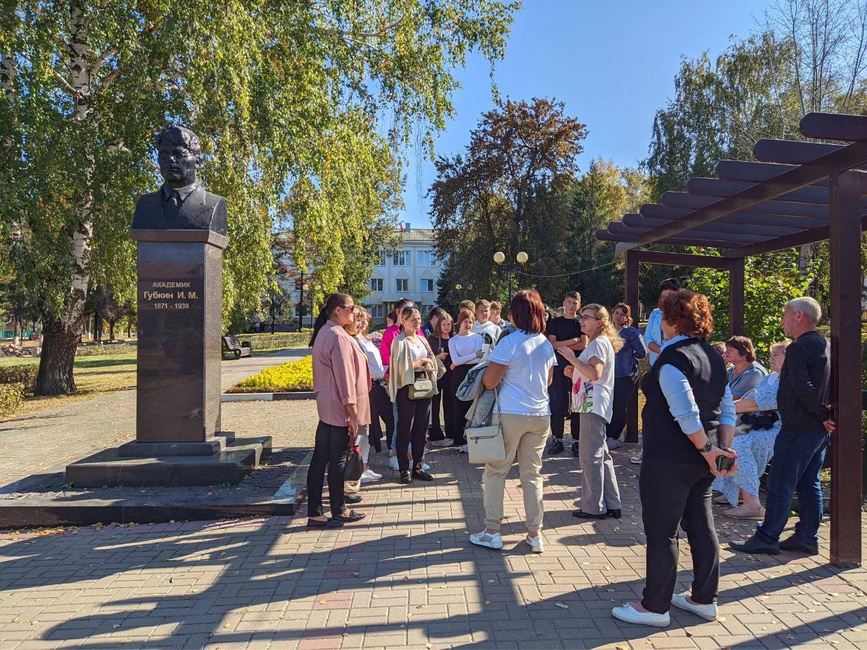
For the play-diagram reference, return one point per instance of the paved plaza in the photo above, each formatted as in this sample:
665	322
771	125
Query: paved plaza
406	576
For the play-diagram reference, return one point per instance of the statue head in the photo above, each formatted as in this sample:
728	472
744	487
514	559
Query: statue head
179	152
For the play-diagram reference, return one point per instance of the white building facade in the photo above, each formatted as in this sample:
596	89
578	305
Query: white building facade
411	272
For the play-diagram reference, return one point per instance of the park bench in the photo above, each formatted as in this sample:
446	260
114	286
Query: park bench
235	349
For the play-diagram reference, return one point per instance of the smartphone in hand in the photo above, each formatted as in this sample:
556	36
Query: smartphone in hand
724	463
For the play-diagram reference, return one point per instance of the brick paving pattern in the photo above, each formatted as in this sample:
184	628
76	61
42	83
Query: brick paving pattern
406	576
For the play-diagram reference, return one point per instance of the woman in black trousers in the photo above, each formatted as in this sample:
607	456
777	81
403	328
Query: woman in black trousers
625	371
411	357
441	435
680	461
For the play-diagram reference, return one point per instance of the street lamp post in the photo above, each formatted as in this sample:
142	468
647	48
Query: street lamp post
500	258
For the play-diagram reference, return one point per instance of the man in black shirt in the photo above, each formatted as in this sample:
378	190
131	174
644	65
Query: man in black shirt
799	450
564	331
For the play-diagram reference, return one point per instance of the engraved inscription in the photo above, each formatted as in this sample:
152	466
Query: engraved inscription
168	295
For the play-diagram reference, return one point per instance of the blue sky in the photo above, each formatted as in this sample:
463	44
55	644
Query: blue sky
612	62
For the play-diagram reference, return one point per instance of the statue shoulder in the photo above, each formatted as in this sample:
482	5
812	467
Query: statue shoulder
147	209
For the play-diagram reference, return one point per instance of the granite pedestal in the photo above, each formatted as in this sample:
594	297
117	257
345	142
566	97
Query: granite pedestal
178	439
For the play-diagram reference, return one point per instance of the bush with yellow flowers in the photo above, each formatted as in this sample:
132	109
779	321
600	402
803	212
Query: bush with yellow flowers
287	377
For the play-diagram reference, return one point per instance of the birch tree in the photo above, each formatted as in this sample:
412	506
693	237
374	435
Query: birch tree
303	108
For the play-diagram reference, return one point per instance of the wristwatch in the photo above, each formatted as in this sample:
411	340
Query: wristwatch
707	447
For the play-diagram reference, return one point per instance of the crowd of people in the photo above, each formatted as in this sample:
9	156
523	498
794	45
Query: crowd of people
713	419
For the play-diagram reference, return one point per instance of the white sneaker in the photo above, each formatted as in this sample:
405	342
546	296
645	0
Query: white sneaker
536	544
628	614
636	460
445	442
707	612
425	466
613	443
392	463
464	449
369	476
491	540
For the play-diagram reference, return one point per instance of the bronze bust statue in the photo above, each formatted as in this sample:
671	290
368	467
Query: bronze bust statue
180	204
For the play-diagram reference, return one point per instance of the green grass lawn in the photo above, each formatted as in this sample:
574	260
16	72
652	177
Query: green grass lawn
93	375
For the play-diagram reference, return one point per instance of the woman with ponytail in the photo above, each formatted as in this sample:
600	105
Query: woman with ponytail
341	382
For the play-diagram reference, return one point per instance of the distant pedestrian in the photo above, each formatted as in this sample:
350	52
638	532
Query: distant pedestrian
490	333
341	382
465	350
800	447
653	337
625	371
744	373
564	331
440	435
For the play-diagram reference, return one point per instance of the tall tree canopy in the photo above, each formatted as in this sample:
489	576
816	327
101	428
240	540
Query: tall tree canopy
809	56
302	107
504	190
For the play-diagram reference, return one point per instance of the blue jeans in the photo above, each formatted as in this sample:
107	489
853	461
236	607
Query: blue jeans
797	463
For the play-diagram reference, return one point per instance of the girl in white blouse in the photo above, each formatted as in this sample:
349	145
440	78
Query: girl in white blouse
465	350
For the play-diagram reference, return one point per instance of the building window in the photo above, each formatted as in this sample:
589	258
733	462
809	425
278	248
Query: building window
380	259
401	258
375	285
425	258
402	285
376	310
427	284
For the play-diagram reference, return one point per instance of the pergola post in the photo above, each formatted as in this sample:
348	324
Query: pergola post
846	287
736	297
632	301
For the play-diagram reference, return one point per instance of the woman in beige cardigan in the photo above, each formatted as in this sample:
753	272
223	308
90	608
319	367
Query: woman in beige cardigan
410	355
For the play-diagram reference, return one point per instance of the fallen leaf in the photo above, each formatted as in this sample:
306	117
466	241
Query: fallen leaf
561	605
487	602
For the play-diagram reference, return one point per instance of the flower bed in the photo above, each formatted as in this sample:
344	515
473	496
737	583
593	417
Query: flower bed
292	376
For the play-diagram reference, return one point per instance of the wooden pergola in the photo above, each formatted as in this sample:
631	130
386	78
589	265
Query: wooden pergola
798	193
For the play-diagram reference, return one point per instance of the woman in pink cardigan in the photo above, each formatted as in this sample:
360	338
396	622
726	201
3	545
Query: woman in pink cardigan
341	382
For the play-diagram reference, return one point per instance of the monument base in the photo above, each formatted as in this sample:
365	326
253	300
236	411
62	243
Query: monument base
209	447
111	468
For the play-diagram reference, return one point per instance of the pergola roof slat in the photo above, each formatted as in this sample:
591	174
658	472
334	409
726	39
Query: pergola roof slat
716	187
846	158
621	228
686	240
790	152
724	225
828	126
797	222
693	201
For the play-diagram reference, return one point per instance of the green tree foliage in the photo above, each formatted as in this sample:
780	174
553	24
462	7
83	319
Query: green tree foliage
809	56
302	108
601	195
505	189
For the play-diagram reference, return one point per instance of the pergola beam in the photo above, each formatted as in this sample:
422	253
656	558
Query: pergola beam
694	202
846	158
793	153
833	126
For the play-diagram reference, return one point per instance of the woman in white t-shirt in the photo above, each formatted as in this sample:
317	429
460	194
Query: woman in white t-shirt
593	397
521	368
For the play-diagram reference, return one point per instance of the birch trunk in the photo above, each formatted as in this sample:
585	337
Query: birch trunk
62	330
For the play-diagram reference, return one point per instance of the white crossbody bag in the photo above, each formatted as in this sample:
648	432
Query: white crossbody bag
486	444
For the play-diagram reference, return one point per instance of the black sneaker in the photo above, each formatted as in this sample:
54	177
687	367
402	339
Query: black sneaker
405	476
421	475
574	448
555	447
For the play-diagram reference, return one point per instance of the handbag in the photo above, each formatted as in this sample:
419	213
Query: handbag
423	387
486	444
354	467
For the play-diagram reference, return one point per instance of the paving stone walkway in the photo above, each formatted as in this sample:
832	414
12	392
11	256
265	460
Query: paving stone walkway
50	438
406	576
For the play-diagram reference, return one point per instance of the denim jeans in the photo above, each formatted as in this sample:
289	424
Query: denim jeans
796	466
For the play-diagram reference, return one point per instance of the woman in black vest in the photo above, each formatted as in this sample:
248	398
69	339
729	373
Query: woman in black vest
689	422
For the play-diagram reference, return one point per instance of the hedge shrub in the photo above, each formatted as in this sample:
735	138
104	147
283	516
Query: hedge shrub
287	377
20	373
11	397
